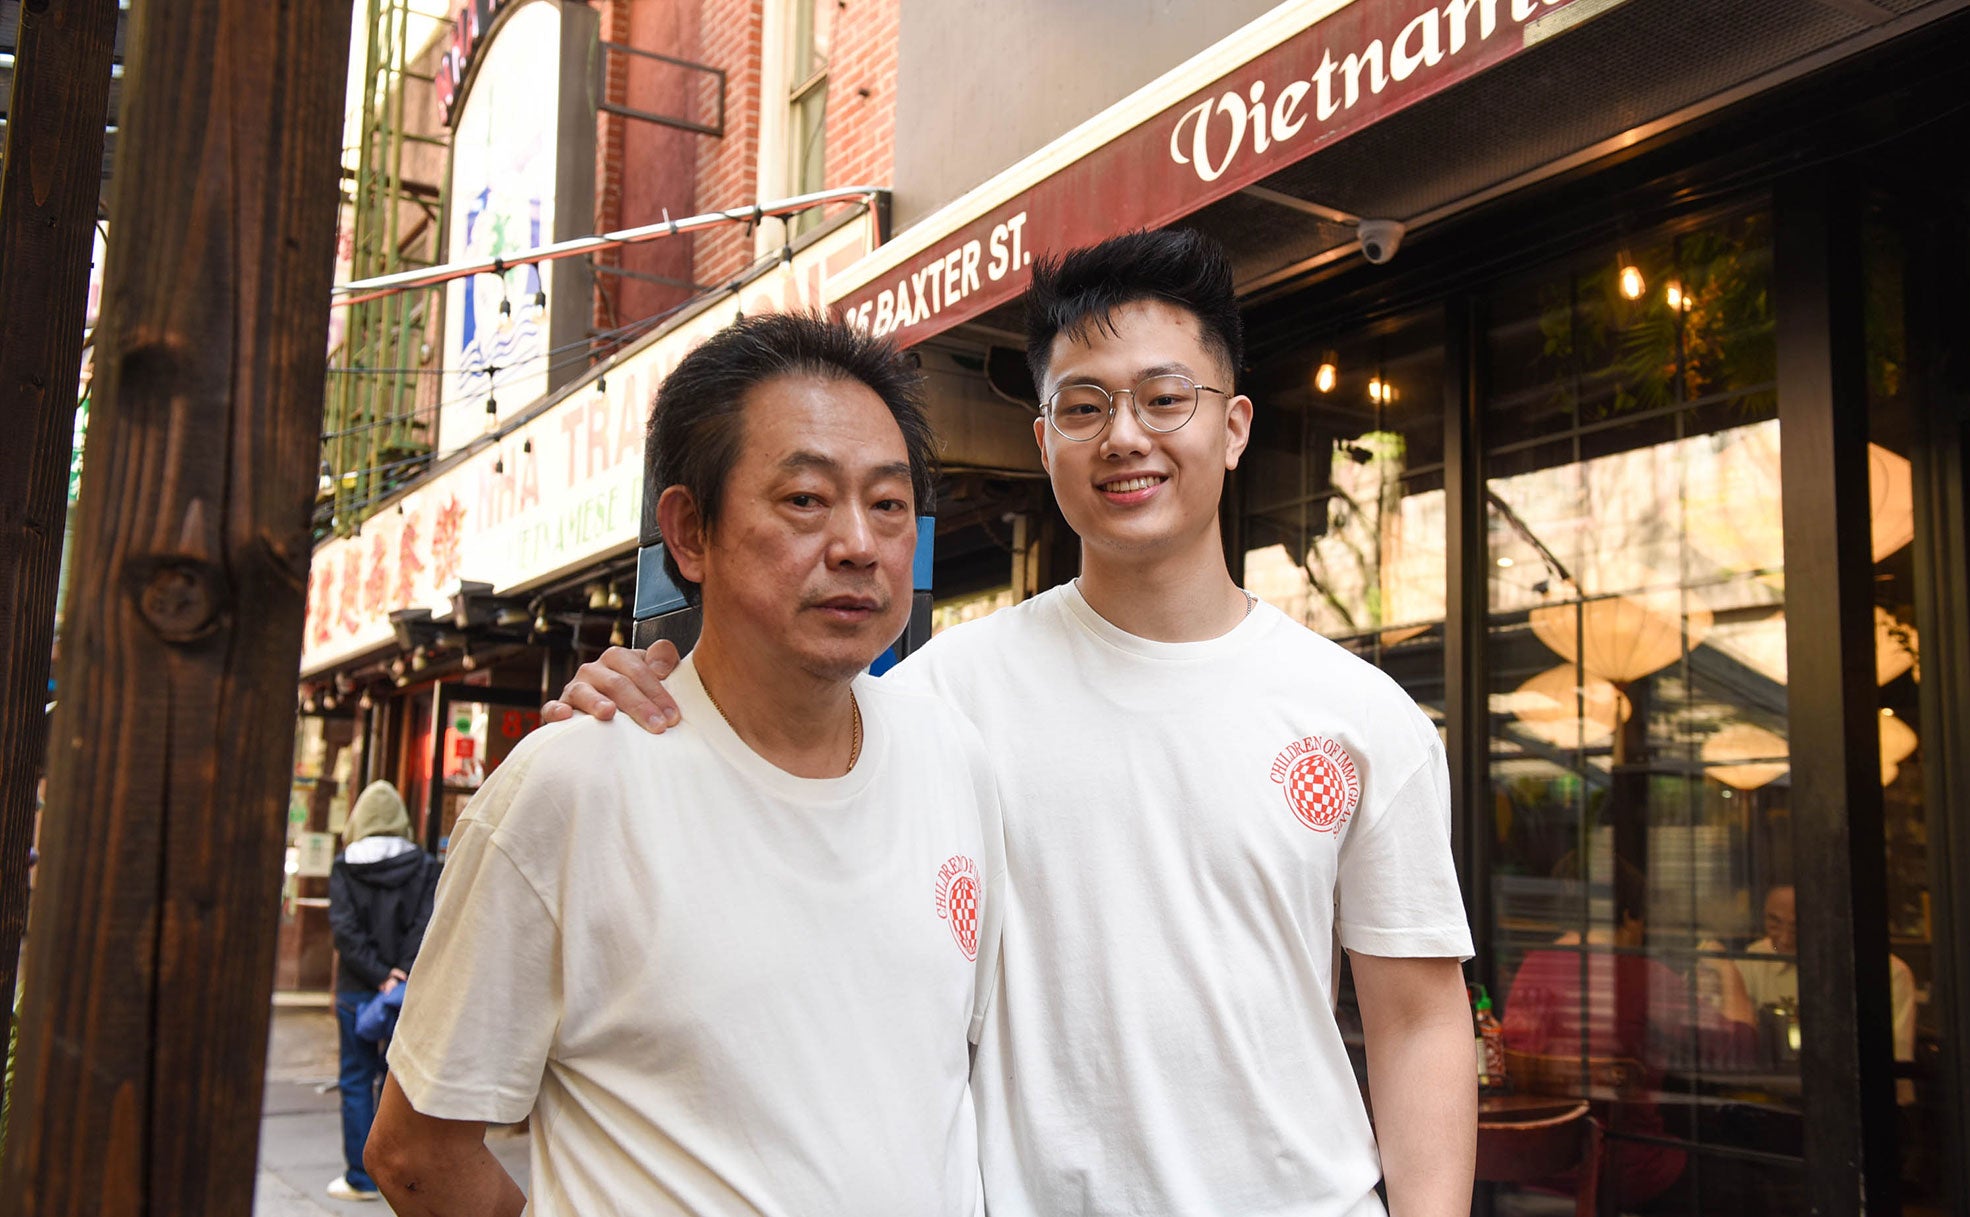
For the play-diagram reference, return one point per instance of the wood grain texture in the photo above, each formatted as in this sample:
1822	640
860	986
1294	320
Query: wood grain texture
148	976
1839	847
48	193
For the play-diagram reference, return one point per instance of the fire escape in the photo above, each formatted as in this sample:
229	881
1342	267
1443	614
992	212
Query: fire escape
380	420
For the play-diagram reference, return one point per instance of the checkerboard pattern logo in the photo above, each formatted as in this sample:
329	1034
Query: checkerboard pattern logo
957	901
1321	783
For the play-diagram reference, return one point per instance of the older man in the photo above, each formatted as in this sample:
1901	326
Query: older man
729	969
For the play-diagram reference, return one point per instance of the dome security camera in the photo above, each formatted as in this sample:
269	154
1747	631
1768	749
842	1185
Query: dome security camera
1379	239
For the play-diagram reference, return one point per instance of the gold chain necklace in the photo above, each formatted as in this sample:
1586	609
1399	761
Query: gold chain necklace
854	706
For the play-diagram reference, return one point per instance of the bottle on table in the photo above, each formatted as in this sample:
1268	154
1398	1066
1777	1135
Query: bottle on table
1490	1044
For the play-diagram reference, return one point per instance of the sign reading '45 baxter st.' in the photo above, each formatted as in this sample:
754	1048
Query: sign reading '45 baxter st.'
1330	69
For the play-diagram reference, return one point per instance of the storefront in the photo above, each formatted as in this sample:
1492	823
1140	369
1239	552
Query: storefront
1527	459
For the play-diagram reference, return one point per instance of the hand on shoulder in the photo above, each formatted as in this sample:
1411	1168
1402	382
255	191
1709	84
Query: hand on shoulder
622	679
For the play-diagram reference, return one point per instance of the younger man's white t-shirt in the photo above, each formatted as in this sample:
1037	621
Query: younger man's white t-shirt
1189	828
716	987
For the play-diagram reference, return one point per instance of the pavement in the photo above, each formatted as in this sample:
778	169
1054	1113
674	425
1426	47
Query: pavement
301	1118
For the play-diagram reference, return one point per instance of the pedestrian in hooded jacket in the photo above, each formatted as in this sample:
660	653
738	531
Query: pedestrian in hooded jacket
379	902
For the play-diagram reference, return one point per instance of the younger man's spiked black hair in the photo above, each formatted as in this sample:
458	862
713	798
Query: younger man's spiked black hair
1084	288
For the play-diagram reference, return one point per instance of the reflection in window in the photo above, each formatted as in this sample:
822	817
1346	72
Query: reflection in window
1917	1024
1636	650
1342	488
1343	505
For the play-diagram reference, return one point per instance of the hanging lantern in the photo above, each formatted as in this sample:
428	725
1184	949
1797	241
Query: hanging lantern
1557	707
1622	638
1744	756
1898	741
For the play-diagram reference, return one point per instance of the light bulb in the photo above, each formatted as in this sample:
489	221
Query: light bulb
1375	389
1632	283
1326	377
1674	295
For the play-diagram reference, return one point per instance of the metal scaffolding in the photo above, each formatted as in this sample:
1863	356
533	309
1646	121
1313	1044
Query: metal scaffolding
380	419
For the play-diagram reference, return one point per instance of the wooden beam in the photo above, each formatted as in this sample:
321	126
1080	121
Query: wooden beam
1839	847
149	971
48	194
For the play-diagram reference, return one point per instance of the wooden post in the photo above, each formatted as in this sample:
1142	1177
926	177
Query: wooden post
1839	847
48	190
150	967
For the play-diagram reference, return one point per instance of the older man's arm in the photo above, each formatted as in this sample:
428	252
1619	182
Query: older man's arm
428	1167
1422	1077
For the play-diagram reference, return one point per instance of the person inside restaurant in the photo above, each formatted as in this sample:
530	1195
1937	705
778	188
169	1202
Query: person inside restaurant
1598	1017
1774	982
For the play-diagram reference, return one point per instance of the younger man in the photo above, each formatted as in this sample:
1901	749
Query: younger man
1201	798
729	969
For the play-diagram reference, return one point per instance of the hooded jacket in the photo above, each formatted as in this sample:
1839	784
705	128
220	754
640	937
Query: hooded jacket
380	892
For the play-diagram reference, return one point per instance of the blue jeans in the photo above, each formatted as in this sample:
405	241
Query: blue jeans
361	1081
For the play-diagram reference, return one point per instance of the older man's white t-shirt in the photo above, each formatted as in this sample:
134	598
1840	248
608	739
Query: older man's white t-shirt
717	988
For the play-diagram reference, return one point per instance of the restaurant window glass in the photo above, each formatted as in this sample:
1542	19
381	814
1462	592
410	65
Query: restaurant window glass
1342	493
1918	1024
1635	644
1341	490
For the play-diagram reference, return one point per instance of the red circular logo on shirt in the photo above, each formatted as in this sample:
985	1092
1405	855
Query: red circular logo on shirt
1321	783
957	901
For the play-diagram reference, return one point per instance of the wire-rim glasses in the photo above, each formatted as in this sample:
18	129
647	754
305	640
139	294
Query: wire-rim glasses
1163	403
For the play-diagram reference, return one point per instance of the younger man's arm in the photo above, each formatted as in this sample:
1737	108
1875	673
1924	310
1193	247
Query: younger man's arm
1422	1079
428	1167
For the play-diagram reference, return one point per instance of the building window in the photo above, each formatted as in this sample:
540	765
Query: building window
813	36
1642	879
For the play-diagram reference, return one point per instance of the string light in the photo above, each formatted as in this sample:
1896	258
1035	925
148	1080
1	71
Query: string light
1674	295
1632	283
1327	375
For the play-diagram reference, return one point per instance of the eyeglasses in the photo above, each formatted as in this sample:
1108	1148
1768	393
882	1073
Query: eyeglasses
1161	403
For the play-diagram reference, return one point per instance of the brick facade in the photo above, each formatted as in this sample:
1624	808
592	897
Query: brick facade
643	168
861	123
728	169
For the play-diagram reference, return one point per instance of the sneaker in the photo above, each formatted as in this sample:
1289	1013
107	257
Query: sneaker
339	1188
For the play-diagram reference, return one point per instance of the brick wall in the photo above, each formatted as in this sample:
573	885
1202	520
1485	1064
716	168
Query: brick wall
727	169
645	169
611	131
861	125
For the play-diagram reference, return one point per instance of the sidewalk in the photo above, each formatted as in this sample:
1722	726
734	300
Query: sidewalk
301	1122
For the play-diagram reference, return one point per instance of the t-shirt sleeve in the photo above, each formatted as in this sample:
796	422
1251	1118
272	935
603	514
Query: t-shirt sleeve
481	1013
1397	889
